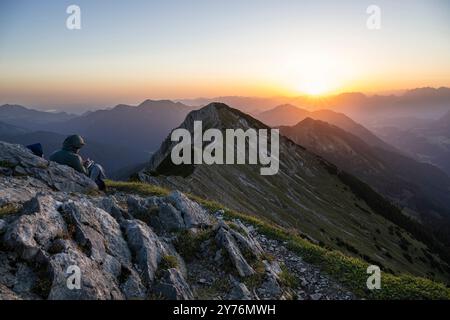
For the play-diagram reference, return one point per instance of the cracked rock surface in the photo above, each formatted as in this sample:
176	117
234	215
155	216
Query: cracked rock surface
55	231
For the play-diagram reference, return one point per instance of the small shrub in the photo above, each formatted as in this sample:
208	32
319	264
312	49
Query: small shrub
188	243
169	262
287	278
254	281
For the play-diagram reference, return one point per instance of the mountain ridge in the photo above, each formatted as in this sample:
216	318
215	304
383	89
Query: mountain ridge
307	190
286	115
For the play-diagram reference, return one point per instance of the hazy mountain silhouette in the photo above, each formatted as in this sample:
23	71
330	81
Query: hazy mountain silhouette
141	127
285	114
29	118
419	102
425	140
8	129
290	115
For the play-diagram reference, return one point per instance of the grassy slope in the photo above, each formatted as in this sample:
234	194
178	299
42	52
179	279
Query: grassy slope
349	271
317	204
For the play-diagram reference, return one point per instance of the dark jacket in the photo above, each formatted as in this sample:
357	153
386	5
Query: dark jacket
68	155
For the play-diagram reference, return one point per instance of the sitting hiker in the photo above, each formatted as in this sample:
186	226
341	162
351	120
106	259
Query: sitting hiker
96	173
68	155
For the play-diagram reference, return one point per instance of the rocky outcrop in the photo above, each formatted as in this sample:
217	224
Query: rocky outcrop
227	241
174	212
33	231
59	244
146	248
19	161
173	286
193	214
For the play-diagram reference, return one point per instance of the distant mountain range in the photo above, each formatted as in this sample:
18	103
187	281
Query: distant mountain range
420	102
121	137
143	126
308	195
30	119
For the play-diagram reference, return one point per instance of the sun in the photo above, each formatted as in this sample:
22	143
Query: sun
315	87
316	73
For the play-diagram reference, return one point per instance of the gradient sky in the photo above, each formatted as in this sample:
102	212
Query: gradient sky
128	51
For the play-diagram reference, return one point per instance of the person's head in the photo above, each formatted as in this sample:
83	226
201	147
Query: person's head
73	143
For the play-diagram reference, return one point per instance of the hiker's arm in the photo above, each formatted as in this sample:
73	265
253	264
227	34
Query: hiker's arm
78	165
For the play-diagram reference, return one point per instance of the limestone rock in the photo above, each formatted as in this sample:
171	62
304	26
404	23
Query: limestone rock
7	294
145	246
170	218
225	239
239	291
95	283
132	286
36	228
24	163
173	286
98	233
193	214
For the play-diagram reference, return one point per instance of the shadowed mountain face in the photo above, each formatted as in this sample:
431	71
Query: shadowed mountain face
416	186
8	129
308	195
142	127
288	115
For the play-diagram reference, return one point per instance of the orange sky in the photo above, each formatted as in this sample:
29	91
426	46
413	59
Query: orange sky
127	53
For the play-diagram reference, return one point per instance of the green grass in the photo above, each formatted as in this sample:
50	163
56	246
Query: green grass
349	271
139	188
188	243
169	262
287	278
219	286
257	279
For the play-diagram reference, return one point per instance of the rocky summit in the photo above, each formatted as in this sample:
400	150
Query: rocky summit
60	238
